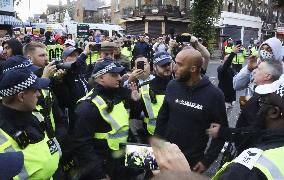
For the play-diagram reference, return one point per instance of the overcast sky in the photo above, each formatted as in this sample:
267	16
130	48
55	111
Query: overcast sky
36	7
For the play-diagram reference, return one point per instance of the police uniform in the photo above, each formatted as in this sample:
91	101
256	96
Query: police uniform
103	124
153	94
25	131
239	60
264	160
46	105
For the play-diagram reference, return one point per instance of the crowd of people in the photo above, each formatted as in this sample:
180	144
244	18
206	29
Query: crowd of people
69	107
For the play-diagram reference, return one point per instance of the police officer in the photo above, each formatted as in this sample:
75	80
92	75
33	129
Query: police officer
265	159
47	104
127	48
239	60
23	130
103	124
153	93
255	48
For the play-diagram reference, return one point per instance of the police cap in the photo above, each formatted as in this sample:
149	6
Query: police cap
20	79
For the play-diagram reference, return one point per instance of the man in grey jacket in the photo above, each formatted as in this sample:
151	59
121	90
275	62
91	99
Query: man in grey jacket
271	49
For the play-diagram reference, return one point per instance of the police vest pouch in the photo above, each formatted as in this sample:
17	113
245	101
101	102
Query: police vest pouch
22	139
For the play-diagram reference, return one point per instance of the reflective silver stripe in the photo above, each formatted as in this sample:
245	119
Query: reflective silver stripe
23	174
58	146
152	122
39	116
3	139
273	169
118	135
115	125
147	101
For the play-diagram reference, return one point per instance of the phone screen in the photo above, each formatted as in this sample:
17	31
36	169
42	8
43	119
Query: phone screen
140	156
140	65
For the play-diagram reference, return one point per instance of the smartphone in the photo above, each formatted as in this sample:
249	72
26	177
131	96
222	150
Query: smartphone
140	65
183	38
140	156
239	42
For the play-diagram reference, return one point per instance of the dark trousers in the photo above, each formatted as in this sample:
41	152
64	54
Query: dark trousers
237	67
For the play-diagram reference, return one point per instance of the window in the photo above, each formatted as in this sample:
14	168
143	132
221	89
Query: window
136	3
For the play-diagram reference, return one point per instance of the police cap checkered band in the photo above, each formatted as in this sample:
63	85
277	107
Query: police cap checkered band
19	87
24	64
104	70
161	58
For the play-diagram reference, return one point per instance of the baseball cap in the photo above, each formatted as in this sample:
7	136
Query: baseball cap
106	66
11	164
19	61
162	58
67	52
70	42
108	46
20	79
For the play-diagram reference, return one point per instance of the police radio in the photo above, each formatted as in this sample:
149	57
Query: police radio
22	139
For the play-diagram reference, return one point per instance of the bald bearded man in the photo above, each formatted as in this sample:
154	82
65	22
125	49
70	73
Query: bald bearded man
191	104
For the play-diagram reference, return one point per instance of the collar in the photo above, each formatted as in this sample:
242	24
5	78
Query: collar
15	117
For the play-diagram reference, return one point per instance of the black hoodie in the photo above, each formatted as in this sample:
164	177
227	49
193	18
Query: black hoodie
185	115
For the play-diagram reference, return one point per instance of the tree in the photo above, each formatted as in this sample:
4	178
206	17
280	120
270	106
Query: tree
203	17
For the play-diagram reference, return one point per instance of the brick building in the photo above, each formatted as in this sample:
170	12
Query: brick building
86	10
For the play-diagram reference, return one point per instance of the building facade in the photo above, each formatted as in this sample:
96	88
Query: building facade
249	19
86	10
8	17
155	17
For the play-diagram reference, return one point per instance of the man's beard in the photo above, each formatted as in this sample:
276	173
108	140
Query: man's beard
184	78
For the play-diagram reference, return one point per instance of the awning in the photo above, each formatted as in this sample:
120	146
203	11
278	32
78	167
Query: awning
185	20
130	19
10	20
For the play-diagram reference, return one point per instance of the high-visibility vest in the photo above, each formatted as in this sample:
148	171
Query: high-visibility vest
118	119
127	53
40	159
254	51
39	108
93	57
152	109
269	162
240	58
228	50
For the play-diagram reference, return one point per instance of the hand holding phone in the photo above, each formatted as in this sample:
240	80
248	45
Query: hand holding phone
140	65
140	156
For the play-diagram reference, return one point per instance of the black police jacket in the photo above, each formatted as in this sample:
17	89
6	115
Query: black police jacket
13	121
266	141
92	153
